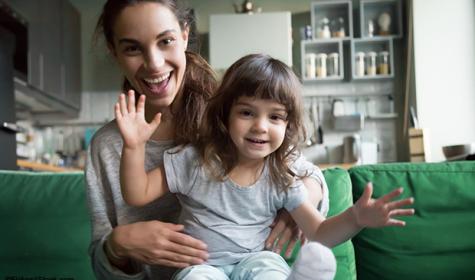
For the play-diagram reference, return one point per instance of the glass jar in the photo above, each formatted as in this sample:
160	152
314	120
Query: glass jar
383	63
321	65
310	69
359	64
333	64
371	63
323	30
338	27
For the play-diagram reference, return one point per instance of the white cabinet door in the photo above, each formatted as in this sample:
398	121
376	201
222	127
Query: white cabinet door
232	36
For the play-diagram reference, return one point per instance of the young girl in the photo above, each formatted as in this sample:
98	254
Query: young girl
226	181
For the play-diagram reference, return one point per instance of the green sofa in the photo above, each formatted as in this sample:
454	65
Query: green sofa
46	229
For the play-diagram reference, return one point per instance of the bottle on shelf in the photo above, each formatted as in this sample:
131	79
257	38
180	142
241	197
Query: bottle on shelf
371	63
310	69
333	64
383	63
370	28
323	30
359	64
321	65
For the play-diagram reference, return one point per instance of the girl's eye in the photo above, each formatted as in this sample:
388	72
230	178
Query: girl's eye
278	118
245	113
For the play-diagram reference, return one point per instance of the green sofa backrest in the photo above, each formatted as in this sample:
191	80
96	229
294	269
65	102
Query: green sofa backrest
438	242
45	227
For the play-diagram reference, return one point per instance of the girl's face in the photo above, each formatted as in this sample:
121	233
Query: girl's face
149	46
257	127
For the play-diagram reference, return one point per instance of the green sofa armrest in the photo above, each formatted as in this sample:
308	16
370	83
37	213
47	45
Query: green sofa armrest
438	242
45	226
339	185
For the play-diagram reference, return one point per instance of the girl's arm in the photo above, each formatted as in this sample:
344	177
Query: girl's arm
138	187
366	212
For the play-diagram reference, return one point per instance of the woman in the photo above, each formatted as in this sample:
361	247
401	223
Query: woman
148	39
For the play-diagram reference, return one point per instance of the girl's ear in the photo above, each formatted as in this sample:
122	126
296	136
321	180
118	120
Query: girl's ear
185	33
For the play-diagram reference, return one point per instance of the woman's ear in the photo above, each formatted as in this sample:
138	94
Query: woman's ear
185	33
111	49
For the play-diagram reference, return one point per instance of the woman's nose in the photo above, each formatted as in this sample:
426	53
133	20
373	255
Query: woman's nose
154	60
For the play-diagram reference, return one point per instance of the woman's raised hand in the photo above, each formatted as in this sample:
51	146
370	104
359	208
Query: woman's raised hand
380	212
135	130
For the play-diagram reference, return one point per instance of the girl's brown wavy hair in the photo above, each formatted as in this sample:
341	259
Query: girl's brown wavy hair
262	77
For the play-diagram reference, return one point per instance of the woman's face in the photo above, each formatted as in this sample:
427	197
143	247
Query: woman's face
149	46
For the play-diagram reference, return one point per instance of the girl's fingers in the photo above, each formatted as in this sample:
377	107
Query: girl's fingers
156	120
141	104
123	104
390	196
399	203
118	114
401	212
131	101
368	192
394	222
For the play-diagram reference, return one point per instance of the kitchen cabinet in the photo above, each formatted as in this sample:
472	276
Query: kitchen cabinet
332	25
53	54
232	36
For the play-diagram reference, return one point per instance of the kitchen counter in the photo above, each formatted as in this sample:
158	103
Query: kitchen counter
36	166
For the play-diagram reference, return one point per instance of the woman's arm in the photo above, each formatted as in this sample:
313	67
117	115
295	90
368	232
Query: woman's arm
138	187
366	212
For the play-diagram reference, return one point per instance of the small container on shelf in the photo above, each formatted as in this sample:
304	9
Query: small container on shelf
371	63
321	65
359	64
323	29
333	64
338	27
383	63
310	67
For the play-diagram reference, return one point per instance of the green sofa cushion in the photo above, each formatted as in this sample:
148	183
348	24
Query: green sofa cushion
45	226
438	242
341	198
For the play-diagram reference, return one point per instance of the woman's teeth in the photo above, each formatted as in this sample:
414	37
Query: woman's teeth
157	80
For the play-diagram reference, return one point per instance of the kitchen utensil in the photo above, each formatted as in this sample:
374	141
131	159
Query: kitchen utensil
317	136
458	152
351	148
338	108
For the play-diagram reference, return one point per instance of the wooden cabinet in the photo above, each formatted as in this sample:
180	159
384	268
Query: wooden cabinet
54	52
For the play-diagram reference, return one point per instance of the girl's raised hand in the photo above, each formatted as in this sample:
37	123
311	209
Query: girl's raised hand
380	212
131	120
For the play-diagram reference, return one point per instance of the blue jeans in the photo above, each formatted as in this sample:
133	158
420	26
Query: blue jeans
263	265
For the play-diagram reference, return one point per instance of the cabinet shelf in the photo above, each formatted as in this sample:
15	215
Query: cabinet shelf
333	11
311	70
371	11
382	116
365	46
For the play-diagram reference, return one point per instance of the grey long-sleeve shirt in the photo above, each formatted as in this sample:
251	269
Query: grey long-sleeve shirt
108	209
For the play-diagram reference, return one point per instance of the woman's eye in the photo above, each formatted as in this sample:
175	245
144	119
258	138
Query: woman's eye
167	41
132	50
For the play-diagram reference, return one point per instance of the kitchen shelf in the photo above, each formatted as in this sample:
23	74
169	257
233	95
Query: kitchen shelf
327	47
371	10
332	10
376	45
382	116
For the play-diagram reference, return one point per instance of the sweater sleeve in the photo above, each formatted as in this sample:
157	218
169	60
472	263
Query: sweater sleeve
102	162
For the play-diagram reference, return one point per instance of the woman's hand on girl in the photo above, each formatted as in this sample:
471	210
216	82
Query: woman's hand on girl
284	230
369	212
131	120
158	243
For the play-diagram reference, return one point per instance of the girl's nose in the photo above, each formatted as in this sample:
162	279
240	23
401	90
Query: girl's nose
260	125
154	60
